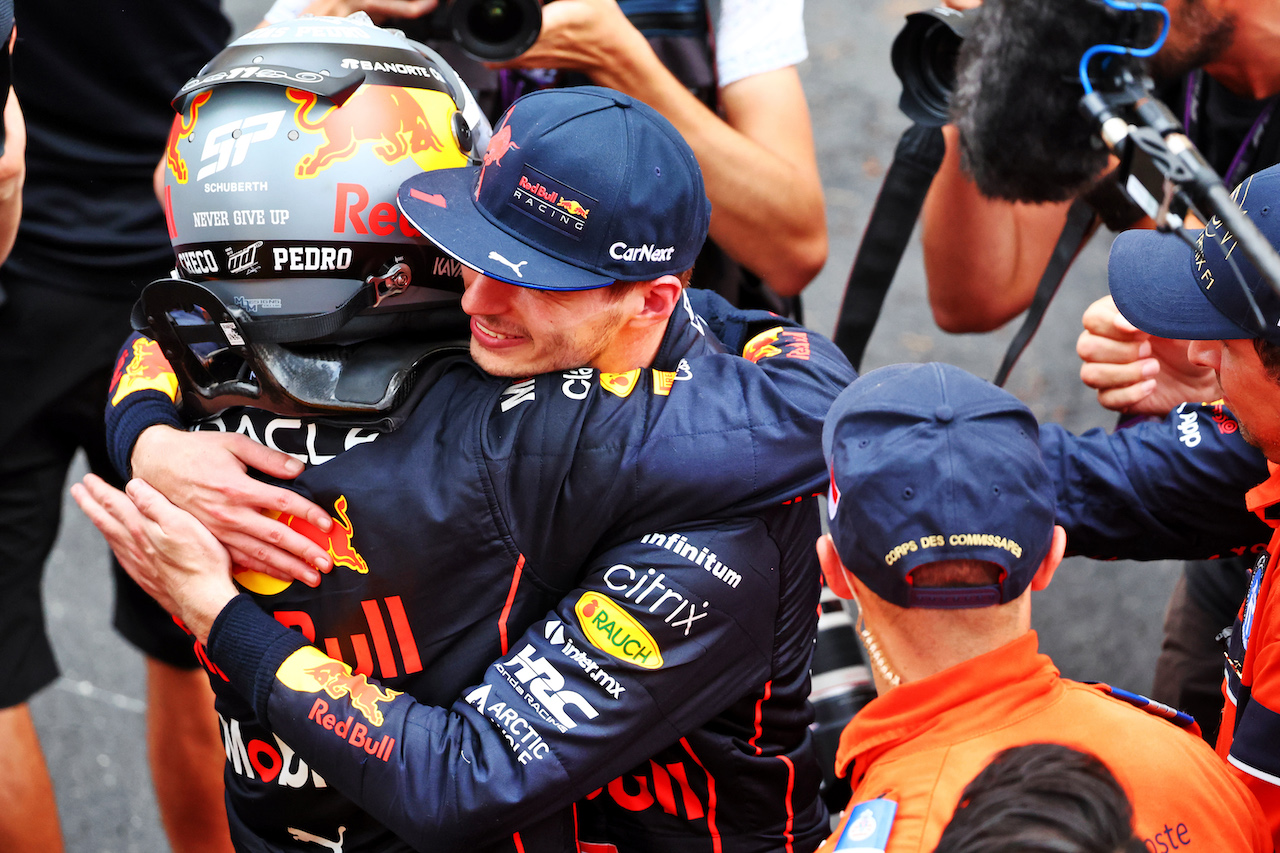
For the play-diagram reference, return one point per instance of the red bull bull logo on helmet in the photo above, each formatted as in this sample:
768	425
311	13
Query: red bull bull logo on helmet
143	367
183	125
394	123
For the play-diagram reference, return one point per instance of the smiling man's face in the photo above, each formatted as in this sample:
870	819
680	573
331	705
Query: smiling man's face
520	331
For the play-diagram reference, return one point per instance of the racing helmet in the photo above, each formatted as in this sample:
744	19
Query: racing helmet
300	286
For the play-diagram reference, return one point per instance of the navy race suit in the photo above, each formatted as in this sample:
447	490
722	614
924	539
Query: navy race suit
1167	489
575	587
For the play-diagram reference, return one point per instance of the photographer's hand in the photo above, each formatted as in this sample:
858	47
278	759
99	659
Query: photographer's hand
378	10
1135	373
757	156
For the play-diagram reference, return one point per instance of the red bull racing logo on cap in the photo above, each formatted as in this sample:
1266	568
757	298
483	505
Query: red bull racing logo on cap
394	123
143	367
541	197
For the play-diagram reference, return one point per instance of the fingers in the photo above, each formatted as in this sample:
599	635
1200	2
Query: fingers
272	540
1103	318
243	561
263	458
1096	348
165	525
256	555
268	544
92	496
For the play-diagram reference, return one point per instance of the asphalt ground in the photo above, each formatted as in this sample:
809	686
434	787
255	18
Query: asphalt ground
1099	621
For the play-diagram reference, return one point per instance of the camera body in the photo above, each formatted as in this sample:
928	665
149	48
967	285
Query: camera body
487	30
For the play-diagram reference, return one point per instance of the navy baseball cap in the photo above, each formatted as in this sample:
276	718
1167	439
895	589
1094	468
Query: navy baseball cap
579	188
1166	288
931	463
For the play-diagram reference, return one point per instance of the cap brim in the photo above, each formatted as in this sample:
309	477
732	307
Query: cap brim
441	204
1152	280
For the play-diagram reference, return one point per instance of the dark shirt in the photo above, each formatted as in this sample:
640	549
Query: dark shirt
94	78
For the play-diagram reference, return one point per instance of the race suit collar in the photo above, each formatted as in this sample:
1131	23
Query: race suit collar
686	335
1263	498
1006	684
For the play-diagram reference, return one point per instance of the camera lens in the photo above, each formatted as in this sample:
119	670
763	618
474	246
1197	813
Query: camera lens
939	48
495	21
495	30
924	57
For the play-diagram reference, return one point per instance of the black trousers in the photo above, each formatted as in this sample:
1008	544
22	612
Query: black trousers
57	353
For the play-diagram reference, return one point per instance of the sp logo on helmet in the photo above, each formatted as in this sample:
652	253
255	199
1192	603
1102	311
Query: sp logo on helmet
230	142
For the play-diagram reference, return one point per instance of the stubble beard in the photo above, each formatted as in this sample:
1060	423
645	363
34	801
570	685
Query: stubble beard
1200	38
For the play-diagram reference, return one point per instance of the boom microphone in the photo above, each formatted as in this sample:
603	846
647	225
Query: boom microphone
1016	103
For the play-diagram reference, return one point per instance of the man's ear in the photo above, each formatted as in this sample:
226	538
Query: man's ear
832	569
1049	564
659	298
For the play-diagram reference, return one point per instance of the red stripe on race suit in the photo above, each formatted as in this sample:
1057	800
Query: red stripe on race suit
511	597
716	845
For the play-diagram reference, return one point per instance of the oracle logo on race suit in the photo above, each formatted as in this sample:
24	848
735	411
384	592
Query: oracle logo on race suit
307	441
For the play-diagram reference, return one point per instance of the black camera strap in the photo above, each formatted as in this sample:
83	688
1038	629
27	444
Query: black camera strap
915	161
1079	227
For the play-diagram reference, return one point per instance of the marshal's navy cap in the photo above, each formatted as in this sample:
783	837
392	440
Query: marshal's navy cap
930	463
579	188
1167	288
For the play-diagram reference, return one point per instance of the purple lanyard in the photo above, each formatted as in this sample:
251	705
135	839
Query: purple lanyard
1248	147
